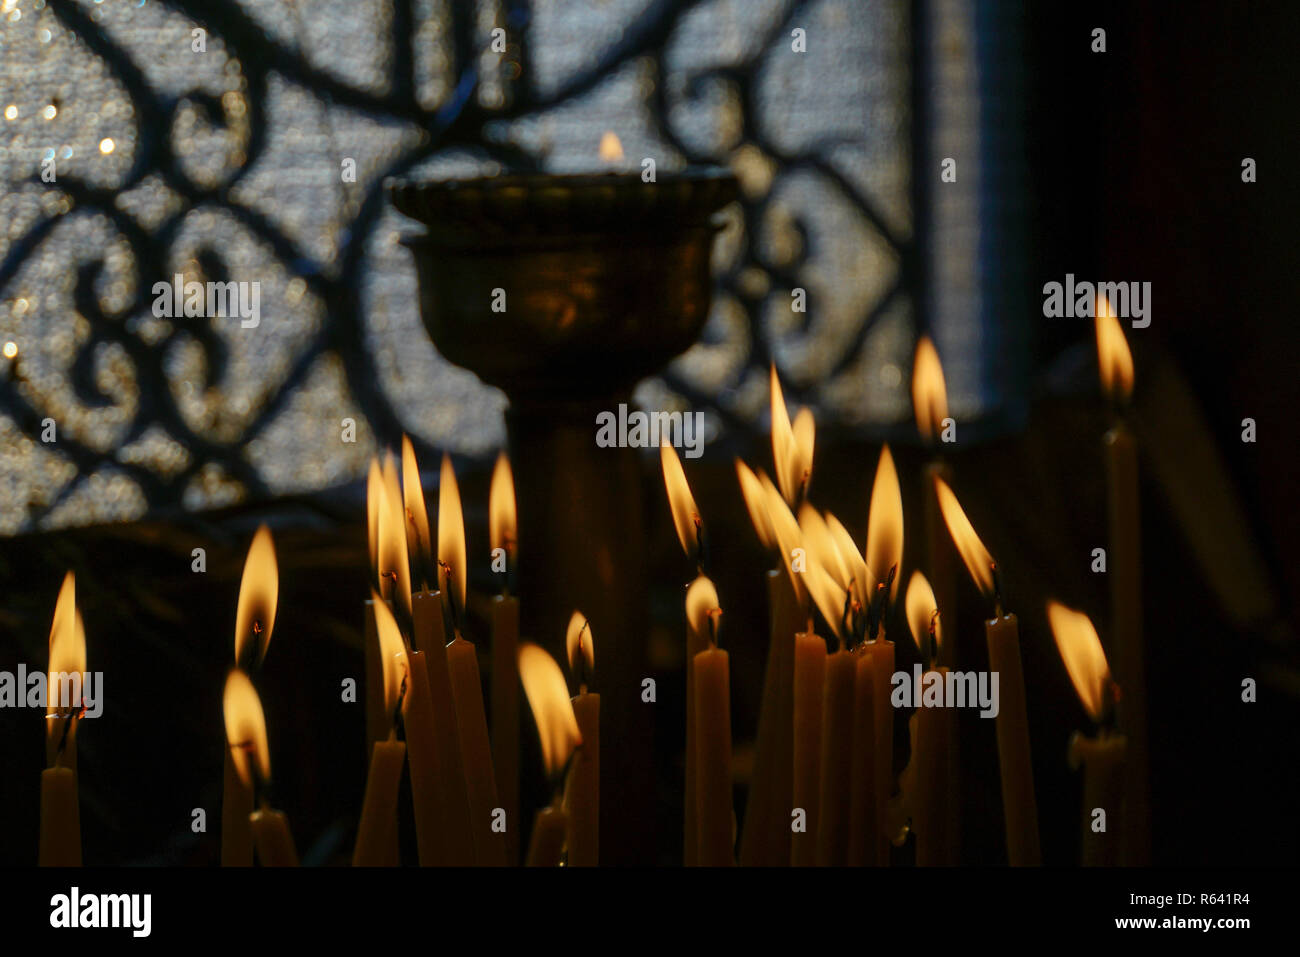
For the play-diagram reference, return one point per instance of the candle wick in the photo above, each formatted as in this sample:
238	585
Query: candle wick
715	621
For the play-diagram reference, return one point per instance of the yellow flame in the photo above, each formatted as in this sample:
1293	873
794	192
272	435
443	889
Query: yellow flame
756	504
885	523
578	640
392	652
929	394
611	149
1080	648
1114	360
246	728
826	593
258	594
851	558
921	607
501	507
792	447
451	534
821	545
418	541
394	565
788	536
701	606
686	515
67	649
374	496
548	698
977	558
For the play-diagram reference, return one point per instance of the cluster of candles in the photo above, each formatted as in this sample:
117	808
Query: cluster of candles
823	788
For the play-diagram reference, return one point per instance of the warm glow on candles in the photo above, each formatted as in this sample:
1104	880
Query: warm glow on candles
548	699
258	593
751	488
451	542
1081	650
416	514
394	570
929	394
792	446
392	654
580	647
923	616
246	729
686	514
977	558
885	523
611	149
1114	360
501	508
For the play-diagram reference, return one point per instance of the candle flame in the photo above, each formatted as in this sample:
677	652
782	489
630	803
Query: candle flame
788	536
977	558
1114	360
501	507
827	593
922	613
792	446
611	149
451	535
548	698
756	504
821	545
246	728
686	515
851	558
67	653
392	652
258	593
929	394
419	544
394	566
374	495
885	522
702	611
578	641
1080	648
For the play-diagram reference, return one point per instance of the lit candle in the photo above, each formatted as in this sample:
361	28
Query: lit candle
1115	364
466	686
582	793
834	788
884	556
60	829
808	675
246	736
438	793
690	532
930	407
714	813
254	622
1102	757
505	646
1019	806
930	789
376	844
765	840
557	731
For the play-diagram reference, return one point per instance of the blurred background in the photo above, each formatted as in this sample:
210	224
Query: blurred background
226	164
